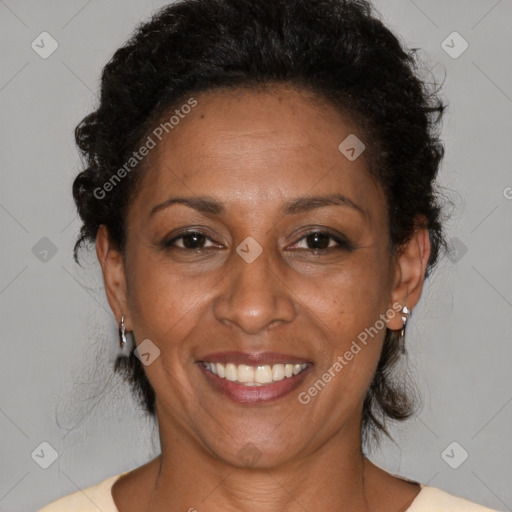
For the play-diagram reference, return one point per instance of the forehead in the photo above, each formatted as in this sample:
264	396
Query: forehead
253	146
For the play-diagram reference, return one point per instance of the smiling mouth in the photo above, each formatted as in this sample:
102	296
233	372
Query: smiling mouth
254	375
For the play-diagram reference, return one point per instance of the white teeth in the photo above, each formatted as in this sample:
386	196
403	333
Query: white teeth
245	373
278	372
231	372
255	375
263	374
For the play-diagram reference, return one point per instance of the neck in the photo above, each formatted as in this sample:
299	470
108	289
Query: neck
330	478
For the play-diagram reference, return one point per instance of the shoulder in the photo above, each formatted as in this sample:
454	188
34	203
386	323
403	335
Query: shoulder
91	499
432	499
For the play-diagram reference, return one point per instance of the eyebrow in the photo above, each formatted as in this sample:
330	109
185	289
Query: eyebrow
209	205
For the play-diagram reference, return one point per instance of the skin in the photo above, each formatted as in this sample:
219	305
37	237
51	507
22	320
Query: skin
254	151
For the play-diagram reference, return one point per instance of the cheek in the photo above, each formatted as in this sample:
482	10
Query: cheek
355	295
351	307
160	300
164	309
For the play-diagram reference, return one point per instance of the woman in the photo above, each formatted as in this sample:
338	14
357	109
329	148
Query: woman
260	186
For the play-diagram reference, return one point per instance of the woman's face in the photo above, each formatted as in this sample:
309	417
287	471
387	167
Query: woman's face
258	174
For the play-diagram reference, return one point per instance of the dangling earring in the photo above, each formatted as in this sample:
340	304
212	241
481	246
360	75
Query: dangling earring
401	339
122	335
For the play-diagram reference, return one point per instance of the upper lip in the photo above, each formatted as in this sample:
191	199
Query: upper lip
252	358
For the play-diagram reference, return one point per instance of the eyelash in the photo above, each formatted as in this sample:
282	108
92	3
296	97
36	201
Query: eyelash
342	244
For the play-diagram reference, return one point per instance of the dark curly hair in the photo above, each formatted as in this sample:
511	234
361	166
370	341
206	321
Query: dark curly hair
337	49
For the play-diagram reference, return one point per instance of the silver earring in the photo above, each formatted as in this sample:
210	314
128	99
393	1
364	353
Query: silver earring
401	339
122	334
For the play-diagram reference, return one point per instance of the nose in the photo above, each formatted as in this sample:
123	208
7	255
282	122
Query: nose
255	295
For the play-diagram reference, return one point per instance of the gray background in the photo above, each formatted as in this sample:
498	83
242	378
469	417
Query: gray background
59	337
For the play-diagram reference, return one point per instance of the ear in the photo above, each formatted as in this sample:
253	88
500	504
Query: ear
410	268
112	266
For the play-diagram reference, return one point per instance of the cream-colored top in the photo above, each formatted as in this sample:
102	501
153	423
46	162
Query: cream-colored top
99	498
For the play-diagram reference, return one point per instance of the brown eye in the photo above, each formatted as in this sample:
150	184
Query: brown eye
318	240
192	240
321	241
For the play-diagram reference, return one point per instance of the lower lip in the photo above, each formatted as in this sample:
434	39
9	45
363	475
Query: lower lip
254	394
